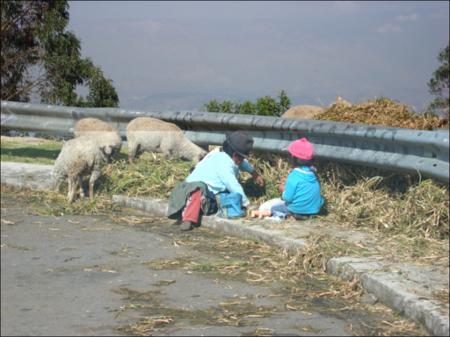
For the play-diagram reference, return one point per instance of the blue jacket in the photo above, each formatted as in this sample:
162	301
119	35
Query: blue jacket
302	191
220	173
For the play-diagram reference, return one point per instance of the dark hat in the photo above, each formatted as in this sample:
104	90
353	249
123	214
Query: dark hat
240	142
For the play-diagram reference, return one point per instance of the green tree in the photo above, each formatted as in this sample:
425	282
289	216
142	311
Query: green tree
284	103
101	90
247	108
267	106
54	53
227	107
439	84
212	106
20	46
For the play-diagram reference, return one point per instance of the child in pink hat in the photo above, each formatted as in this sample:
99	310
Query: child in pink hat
301	190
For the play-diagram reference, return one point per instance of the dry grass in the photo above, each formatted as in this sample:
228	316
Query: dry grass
146	326
383	111
359	197
442	295
259	263
421	210
151	175
55	203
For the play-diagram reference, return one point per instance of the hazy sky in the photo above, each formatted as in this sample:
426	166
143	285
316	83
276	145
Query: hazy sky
244	50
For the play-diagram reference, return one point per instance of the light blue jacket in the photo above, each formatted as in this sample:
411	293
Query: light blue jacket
220	173
302	191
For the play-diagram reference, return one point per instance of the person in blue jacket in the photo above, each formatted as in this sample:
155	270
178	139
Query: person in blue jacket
301	190
215	174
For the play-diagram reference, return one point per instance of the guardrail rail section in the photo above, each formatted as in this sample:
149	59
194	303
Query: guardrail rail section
404	150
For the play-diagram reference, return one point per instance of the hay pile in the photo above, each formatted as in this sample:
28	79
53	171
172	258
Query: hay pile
382	111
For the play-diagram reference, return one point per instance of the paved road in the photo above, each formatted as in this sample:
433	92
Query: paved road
80	275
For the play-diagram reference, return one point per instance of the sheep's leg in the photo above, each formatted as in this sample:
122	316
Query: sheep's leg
133	152
56	184
94	175
80	185
69	188
72	189
75	186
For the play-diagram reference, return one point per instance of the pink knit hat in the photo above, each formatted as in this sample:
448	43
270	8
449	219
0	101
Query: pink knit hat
301	148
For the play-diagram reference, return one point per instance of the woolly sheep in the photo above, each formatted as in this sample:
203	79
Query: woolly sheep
100	130
80	157
303	112
90	125
154	135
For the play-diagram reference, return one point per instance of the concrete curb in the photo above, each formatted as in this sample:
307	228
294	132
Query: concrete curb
394	290
226	226
400	287
36	177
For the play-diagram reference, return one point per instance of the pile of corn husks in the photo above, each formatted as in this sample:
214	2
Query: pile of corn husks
382	111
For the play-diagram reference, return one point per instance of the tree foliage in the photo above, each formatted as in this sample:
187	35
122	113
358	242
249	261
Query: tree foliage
39	56
284	102
212	106
439	84
266	106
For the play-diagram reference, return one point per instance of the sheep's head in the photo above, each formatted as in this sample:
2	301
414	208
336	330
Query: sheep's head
200	156
196	157
107	152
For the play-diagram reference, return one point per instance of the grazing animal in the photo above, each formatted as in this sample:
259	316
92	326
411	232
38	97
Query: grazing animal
90	125
154	135
303	112
80	157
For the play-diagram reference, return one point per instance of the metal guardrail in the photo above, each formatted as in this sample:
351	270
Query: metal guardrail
404	150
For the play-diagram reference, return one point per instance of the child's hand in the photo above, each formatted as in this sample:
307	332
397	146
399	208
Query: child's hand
281	185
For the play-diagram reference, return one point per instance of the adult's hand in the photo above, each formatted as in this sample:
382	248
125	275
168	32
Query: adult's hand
249	208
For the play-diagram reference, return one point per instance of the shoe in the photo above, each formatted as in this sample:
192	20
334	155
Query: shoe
302	217
186	226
